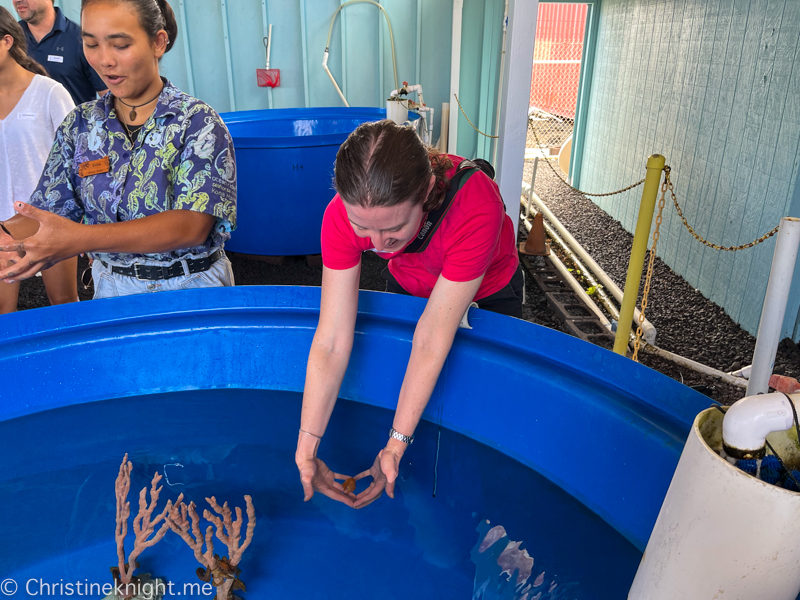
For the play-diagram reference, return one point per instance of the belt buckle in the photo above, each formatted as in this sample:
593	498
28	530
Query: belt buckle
136	272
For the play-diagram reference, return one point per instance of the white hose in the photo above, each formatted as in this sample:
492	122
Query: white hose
328	43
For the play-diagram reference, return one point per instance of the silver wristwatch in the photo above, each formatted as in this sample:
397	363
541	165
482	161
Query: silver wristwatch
399	436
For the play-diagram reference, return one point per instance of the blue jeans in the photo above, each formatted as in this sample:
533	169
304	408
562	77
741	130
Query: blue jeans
112	285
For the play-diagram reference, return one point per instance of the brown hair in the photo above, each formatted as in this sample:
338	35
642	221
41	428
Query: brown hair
19	49
383	164
154	15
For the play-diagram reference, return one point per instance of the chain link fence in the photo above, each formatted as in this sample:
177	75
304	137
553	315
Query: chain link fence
556	74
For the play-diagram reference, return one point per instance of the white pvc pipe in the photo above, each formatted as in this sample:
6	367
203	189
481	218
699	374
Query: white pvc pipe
444	127
728	378
576	286
578	289
748	422
775	300
722	533
648	329
743	373
694	365
455	74
601	295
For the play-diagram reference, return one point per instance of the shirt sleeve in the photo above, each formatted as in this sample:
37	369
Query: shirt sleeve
206	177
60	105
56	190
474	239
340	250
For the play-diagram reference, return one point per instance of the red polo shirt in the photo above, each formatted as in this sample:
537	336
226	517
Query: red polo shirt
476	237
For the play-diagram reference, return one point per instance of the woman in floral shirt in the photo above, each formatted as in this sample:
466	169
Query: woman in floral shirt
143	179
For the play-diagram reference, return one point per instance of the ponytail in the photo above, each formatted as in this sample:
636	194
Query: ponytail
170	23
19	48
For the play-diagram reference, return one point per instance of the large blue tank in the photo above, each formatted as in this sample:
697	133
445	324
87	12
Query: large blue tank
570	448
284	163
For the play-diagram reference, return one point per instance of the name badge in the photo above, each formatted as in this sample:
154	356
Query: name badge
55	58
94	167
26	116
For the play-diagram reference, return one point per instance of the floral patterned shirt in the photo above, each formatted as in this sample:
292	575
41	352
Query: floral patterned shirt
183	159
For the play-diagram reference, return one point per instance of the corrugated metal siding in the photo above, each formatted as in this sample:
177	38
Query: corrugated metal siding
217	63
714	85
482	37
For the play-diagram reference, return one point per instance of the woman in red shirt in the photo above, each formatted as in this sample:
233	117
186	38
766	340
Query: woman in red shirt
389	187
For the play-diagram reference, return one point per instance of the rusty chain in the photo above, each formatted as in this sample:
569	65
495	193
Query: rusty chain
494	137
564	181
649	277
667	185
755	242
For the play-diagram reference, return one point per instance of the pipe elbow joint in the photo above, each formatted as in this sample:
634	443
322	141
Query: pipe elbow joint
748	423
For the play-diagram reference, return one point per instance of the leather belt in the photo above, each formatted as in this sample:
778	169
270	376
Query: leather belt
155	273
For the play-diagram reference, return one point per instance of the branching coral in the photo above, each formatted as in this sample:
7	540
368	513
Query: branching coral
223	572
144	526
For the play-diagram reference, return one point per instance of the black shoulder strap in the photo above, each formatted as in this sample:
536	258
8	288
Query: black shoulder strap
465	170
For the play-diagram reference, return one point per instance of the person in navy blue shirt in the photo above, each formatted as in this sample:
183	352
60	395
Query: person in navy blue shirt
55	43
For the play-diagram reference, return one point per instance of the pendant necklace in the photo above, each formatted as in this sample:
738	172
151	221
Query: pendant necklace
132	114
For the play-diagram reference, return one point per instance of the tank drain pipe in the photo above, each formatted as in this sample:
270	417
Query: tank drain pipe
576	286
602	296
694	365
648	329
777	296
748	423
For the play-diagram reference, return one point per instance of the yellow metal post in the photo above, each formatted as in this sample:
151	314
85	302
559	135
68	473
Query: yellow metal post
655	167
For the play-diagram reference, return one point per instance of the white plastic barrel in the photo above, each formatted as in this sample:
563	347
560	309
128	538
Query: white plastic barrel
721	533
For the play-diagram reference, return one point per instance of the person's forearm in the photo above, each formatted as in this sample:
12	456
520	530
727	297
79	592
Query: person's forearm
428	353
20	227
164	232
324	375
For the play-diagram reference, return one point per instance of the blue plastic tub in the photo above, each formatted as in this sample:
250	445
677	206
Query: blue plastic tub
570	448
285	162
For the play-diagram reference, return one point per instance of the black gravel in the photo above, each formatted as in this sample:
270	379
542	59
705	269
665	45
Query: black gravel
687	323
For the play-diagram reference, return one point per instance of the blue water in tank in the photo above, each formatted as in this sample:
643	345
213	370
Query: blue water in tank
564	446
284	163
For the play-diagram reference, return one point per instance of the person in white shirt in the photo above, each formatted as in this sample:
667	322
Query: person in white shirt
32	106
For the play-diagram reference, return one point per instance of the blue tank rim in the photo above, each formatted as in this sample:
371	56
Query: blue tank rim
367	113
32	330
631	421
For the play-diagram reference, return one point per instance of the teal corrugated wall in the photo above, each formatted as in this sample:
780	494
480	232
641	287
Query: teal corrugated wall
714	85
218	63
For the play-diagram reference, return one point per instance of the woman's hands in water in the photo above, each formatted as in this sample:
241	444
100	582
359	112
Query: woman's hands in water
315	474
383	471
